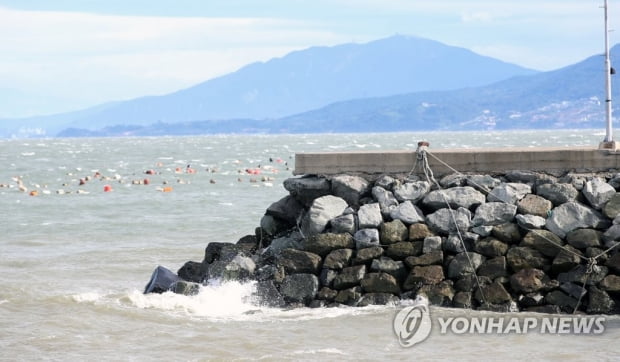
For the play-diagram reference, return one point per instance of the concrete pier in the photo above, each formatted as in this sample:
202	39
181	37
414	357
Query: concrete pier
552	160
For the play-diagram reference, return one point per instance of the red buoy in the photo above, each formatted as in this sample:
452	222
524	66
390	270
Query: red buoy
107	188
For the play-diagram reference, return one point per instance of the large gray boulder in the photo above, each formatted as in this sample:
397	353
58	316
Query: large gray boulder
293	241
509	193
529	222
431	274
584	238
411	191
464	263
298	261
598	192
407	213
484	183
388	265
494	294
367	255
343	224
456	197
267	294
453	180
380	283
392	232
494	213
522	257
612	207
530	177
369	216
366	238
193	271
287	209
385	198
442	221
306	189
386	181
321	212
491	247
273	226
534	205
349	277
240	268
548	243
599	301
338	259
323	244
573	215
528	280
431	244
161	280
350	188
494	268
300	287
453	243
185	288
558	193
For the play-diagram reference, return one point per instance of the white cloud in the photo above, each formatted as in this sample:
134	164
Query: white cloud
102	57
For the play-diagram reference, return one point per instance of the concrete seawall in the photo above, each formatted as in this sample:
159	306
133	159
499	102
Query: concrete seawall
556	160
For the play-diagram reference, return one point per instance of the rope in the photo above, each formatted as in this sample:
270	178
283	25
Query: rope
591	262
428	172
418	157
589	271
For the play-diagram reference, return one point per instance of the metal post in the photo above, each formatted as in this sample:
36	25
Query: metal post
608	143
609	132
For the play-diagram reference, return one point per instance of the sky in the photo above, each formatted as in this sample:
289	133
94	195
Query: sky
64	55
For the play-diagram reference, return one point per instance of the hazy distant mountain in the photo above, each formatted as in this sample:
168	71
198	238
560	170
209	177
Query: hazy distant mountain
571	97
299	82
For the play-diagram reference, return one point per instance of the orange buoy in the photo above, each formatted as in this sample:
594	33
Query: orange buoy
34	193
167	189
107	188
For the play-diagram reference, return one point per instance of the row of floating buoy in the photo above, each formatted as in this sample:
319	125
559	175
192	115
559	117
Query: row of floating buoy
97	175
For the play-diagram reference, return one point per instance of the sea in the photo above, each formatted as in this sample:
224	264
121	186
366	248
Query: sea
85	221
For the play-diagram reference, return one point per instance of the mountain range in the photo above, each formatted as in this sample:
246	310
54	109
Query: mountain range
400	83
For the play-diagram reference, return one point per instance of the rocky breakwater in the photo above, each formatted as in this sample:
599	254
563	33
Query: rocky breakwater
515	241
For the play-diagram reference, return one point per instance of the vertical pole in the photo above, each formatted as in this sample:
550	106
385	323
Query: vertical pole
609	131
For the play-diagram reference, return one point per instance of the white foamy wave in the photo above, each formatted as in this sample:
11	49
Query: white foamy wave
225	301
320	351
86	297
306	314
234	301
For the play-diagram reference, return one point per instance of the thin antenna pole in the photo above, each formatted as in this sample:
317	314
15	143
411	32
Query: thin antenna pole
609	132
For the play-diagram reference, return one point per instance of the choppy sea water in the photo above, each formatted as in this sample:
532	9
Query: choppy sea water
74	259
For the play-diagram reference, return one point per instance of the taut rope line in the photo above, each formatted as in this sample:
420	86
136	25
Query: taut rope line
428	172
